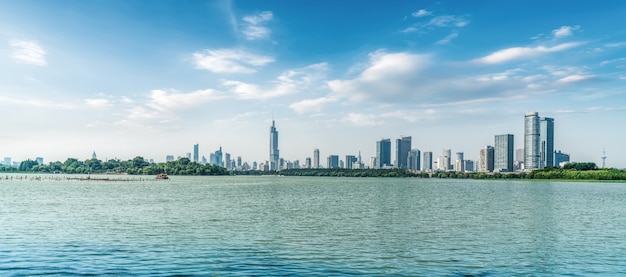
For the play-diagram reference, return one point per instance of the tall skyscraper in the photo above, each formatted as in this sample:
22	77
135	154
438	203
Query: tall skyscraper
532	155
486	162
227	162
195	153
316	158
446	160
307	162
413	160
427	165
273	147
503	153
546	141
403	146
383	153
560	157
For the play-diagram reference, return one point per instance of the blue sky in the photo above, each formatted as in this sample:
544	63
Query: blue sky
152	78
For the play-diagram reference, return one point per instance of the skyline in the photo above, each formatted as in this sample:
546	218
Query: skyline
154	78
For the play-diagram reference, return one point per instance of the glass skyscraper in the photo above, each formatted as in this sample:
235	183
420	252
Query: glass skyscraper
546	141
427	165
403	146
503	153
413	160
383	153
531	141
273	147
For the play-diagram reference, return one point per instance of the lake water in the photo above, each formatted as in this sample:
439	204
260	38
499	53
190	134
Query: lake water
242	226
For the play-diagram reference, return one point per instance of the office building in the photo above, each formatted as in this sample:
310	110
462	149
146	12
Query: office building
169	158
413	160
532	155
486	161
333	161
195	153
427	165
503	153
383	153
446	160
560	158
274	156
403	146
459	164
316	158
350	160
546	141
307	162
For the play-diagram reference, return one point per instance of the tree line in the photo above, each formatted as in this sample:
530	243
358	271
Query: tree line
135	166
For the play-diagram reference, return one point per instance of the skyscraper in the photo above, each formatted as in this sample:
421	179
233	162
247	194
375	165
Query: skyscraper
307	162
531	141
427	165
333	161
195	152
459	164
316	158
350	160
383	153
546	141
446	158
486	162
273	147
503	153
413	160
403	146
560	157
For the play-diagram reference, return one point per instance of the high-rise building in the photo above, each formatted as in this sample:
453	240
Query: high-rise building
503	153
216	158
227	163
169	158
459	164
546	141
94	156
350	160
307	162
413	160
195	153
274	156
333	161
403	146
7	161
316	158
427	165
383	153
446	160
532	155
486	162
560	158
239	162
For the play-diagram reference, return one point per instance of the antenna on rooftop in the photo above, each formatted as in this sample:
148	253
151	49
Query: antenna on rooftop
603	158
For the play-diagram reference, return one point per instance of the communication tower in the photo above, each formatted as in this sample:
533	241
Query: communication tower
603	158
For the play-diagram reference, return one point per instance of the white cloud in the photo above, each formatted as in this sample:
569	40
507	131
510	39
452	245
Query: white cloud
229	61
387	76
360	119
99	102
254	28
575	78
564	31
515	53
312	105
287	83
28	52
168	101
448	38
421	13
449	21
616	44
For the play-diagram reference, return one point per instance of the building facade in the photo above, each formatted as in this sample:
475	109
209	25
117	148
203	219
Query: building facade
350	160
316	158
503	153
333	161
195	152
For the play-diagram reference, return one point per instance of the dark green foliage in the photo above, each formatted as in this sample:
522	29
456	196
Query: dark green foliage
135	166
338	172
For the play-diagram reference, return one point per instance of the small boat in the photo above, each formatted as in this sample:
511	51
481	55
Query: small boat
162	176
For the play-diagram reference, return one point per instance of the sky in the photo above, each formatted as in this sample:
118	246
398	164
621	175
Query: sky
153	78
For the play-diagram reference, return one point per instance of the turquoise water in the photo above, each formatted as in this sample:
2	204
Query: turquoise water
229	226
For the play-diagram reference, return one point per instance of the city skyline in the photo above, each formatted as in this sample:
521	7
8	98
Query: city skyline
130	79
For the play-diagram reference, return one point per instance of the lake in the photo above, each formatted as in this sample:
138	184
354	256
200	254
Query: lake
272	225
